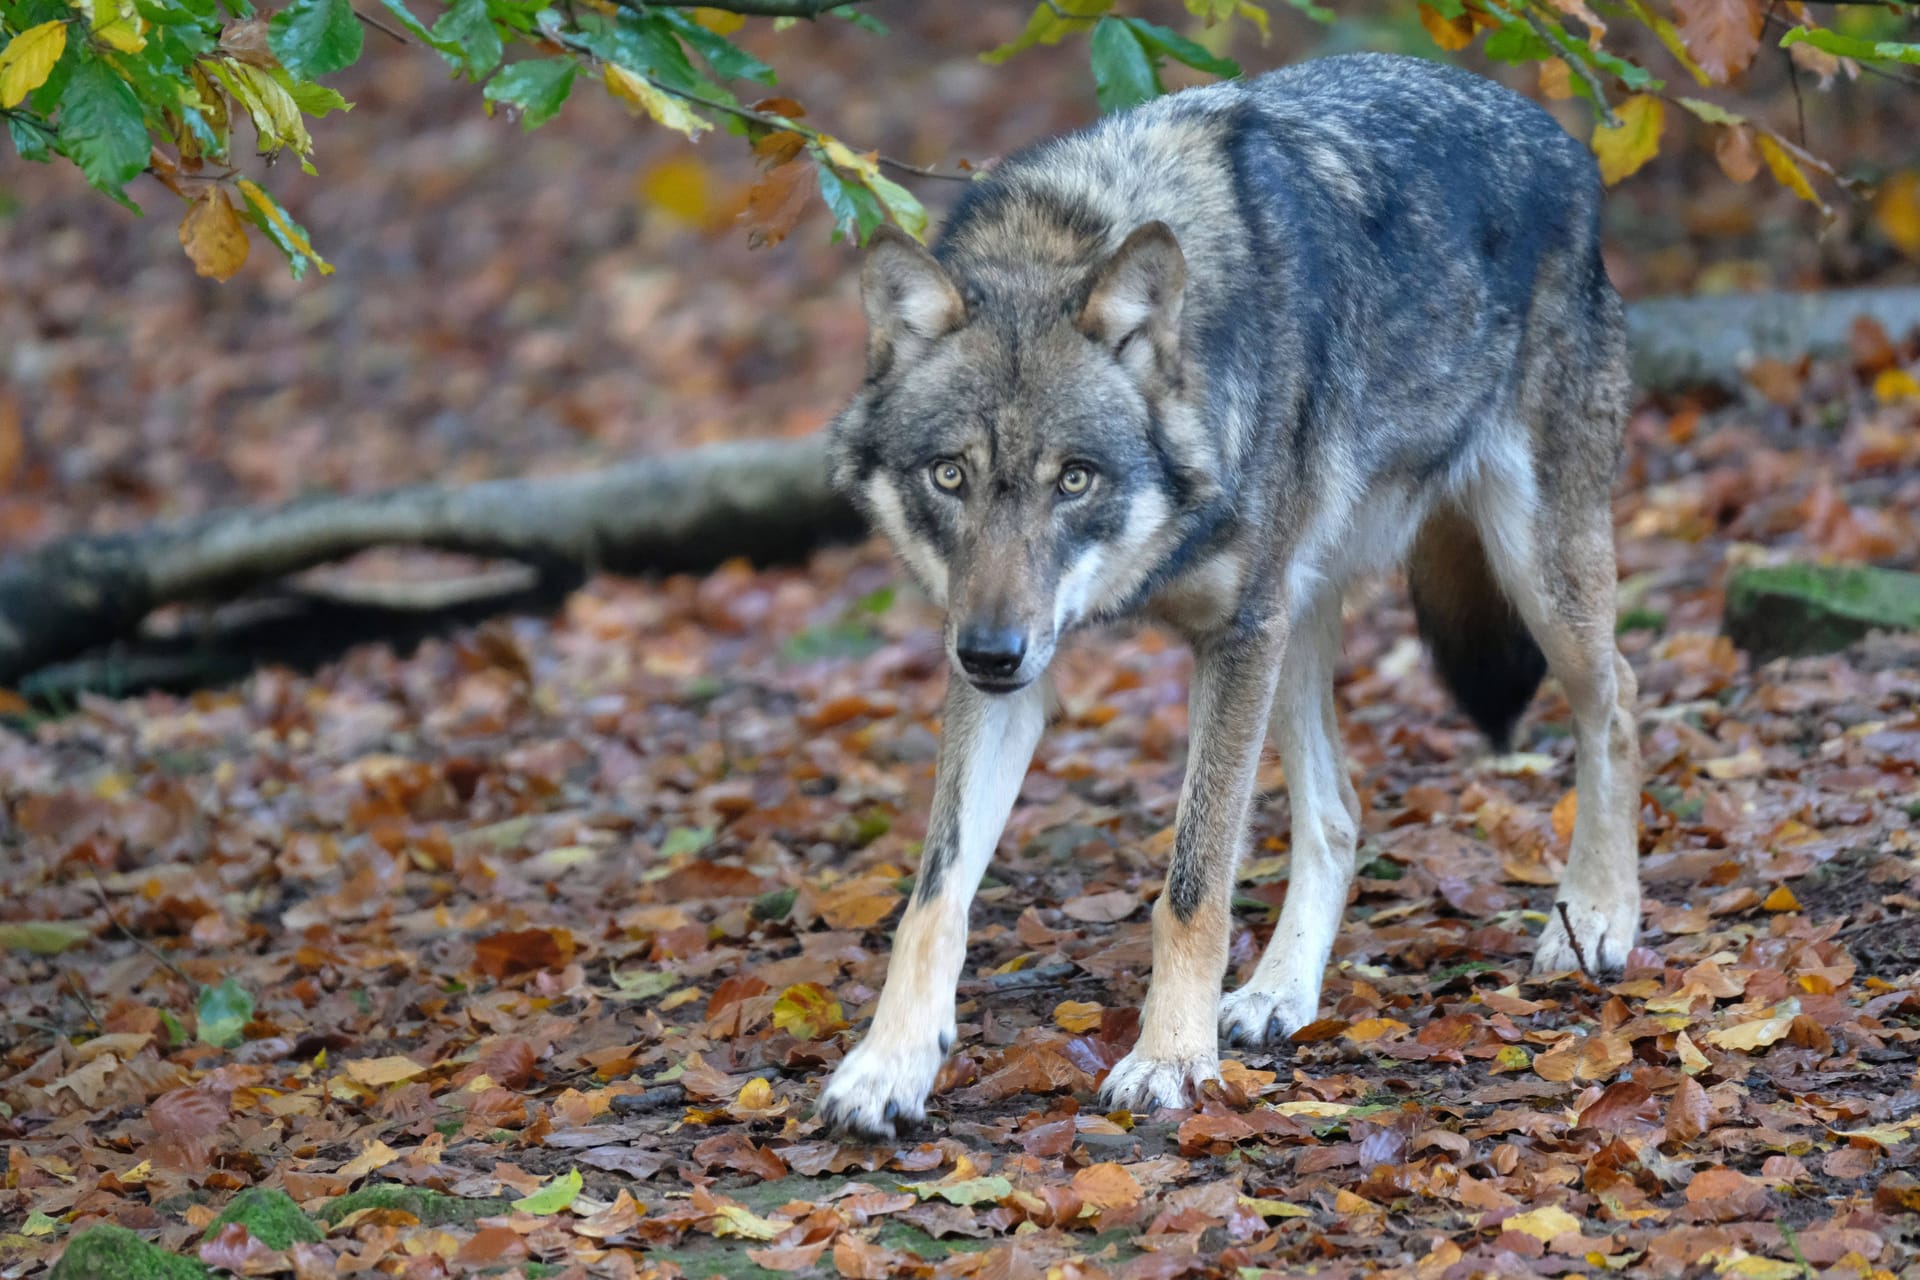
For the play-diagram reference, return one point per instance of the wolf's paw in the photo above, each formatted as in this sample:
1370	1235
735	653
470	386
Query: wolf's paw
1141	1083
878	1091
1604	932
1256	1017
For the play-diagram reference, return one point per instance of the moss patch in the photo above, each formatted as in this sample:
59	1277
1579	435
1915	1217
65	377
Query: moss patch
270	1216
431	1207
107	1252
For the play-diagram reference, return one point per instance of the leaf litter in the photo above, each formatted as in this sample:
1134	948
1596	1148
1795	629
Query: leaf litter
569	919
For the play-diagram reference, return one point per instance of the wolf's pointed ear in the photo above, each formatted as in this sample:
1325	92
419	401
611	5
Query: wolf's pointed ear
1136	295
909	298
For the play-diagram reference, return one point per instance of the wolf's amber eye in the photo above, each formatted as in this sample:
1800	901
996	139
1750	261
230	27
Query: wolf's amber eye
1075	479
948	475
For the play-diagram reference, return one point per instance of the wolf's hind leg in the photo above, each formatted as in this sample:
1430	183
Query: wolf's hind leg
1554	557
1179	1046
986	744
1283	994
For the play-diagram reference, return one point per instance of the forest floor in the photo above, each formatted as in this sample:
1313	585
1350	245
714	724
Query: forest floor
608	893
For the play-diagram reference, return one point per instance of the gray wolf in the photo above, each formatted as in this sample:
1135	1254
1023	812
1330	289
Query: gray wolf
1205	362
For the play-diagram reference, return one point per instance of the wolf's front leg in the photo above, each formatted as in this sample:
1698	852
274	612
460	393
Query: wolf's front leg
986	744
1233	685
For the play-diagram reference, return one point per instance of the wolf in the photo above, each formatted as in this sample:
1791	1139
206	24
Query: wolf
1206	362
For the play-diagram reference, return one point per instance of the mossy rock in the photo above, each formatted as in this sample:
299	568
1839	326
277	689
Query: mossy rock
270	1216
1795	610
107	1252
431	1207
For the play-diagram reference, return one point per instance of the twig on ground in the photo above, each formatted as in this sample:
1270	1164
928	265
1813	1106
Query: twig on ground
1579	952
106	905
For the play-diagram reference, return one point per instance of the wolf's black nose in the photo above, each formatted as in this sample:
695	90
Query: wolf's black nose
992	653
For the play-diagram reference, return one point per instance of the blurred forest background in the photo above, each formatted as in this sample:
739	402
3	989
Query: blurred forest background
507	303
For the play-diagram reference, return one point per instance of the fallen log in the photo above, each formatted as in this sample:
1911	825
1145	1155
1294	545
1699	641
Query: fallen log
768	501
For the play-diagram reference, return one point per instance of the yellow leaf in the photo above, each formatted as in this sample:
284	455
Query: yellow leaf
276	116
1896	210
1077	1015
293	234
845	157
1787	172
1782	899
1749	1267
807	1011
640	94
389	1070
115	23
1313	1107
1275	1208
1748	1036
214	236
1885	1136
1374	1028
1623	150
1256	15
679	186
730	1219
1893	385
1510	1058
1448	33
719	21
755	1095
375	1155
28	60
1545	1224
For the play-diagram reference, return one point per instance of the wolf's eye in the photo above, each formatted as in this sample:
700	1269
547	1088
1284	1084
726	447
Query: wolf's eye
1075	480
948	475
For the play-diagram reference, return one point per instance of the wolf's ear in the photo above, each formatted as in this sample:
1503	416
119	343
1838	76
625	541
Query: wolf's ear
909	298
1136	295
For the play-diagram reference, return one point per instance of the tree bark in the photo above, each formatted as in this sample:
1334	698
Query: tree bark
768	501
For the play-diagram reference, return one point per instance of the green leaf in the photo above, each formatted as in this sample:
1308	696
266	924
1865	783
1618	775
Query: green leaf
1852	46
728	60
467	38
446	48
856	211
1123	71
31	141
223	1011
315	37
1711	112
42	937
265	213
314	99
102	128
682	841
1161	40
536	88
1050	21
991	1189
901	203
556	1196
864	21
1319	12
1516	42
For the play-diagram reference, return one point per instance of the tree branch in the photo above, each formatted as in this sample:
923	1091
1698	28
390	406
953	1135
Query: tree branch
764	119
1554	36
761	8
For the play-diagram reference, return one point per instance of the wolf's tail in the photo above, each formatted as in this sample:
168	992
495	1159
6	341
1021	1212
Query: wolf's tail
1487	658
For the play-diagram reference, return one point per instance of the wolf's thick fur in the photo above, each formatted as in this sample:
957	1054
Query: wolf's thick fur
1207	361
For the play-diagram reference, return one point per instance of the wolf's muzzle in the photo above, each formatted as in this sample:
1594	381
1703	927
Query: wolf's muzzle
990	655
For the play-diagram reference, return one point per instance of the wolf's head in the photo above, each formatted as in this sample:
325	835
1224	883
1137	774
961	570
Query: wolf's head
1016	437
